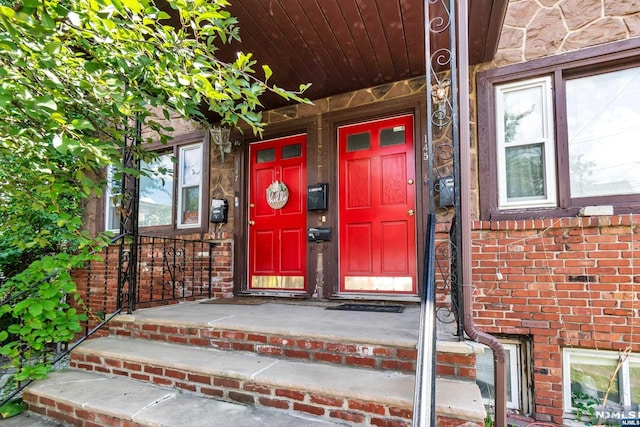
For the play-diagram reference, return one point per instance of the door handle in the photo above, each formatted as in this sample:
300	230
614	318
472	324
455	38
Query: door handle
411	212
252	222
410	182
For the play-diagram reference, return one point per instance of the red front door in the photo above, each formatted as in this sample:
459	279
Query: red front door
377	207
277	214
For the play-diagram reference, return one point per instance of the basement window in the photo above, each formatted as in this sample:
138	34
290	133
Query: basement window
590	375
517	375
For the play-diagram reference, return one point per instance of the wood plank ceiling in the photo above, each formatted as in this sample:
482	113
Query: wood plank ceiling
345	45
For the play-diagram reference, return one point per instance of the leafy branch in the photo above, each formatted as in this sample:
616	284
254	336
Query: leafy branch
73	74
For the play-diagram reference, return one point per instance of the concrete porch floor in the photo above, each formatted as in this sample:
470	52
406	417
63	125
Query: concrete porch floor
308	318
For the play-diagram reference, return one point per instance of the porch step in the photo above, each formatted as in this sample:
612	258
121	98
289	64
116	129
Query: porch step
88	399
338	392
342	393
385	341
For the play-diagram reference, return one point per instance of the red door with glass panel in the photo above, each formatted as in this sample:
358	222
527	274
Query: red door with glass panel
277	214
377	207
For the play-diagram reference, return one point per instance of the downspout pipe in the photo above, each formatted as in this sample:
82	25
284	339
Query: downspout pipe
499	353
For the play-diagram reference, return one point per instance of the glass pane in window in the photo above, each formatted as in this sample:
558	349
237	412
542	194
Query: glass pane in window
603	118
392	136
266	155
358	141
290	151
525	172
523	114
156	192
634	380
191	165
112	217
484	373
190	205
590	378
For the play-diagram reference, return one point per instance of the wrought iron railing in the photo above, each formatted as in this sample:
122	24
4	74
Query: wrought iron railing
442	149
168	270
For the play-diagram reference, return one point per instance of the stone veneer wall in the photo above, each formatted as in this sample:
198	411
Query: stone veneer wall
223	176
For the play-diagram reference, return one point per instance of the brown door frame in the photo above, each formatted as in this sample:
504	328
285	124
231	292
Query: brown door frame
330	123
307	126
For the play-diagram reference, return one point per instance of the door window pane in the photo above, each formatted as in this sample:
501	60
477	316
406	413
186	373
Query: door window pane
392	136
358	141
156	192
266	155
525	172
603	118
291	151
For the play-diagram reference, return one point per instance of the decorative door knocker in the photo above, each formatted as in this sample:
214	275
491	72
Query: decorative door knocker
277	195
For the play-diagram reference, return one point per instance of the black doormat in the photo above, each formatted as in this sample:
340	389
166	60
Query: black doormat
377	308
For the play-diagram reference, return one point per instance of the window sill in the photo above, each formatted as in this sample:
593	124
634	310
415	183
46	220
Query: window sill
538	213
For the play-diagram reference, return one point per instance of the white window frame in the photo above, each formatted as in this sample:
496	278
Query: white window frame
548	141
177	222
110	208
513	372
624	380
180	202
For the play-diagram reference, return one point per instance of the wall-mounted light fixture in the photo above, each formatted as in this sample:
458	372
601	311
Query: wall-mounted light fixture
440	98
220	136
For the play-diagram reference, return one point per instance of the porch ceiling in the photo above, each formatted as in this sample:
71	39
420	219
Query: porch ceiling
345	45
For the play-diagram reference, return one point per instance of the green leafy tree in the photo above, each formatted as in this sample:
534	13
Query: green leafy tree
73	76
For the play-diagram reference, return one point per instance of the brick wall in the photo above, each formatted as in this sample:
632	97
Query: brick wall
569	282
160	264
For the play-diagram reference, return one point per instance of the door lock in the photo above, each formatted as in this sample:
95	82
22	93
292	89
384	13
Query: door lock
411	212
410	182
252	222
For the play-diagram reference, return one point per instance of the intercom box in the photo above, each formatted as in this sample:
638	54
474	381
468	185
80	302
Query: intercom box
318	197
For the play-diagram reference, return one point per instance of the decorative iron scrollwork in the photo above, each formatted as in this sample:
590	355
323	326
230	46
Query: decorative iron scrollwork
442	154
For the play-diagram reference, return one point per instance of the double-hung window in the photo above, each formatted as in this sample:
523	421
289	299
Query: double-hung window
560	133
525	144
172	189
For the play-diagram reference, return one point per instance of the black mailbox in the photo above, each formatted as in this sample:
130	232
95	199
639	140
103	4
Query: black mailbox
317	197
219	211
445	187
319	234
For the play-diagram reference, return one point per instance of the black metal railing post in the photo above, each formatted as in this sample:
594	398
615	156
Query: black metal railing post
128	252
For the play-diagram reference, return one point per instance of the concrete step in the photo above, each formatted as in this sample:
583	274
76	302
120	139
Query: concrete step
332	391
88	399
385	341
357	395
